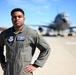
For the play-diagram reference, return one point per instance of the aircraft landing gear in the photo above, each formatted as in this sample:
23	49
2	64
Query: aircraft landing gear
70	34
60	35
47	34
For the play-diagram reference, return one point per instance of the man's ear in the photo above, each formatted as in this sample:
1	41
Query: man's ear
11	18
24	19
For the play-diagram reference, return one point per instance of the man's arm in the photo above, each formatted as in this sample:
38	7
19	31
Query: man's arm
44	48
2	57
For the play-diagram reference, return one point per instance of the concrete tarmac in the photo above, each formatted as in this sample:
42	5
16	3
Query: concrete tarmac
62	60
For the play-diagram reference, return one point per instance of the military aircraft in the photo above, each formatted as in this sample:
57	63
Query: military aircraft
61	22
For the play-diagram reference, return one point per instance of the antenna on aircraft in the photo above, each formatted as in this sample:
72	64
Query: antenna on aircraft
57	9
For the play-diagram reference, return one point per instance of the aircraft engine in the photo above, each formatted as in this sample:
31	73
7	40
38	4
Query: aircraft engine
40	29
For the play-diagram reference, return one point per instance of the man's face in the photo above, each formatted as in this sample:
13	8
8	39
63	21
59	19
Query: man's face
18	19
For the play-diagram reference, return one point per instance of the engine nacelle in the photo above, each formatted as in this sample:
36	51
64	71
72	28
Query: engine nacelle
40	29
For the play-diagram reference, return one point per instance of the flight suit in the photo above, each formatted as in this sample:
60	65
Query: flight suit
20	48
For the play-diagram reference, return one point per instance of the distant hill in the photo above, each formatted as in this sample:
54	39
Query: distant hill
2	28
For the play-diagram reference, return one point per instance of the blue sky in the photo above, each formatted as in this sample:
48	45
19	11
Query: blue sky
37	12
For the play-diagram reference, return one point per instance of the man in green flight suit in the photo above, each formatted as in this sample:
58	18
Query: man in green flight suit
21	42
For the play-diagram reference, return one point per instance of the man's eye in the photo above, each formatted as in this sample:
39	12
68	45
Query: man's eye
19	16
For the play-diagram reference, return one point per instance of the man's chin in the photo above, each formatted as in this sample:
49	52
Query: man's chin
18	26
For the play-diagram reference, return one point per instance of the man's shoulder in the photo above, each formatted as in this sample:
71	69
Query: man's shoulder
31	30
6	30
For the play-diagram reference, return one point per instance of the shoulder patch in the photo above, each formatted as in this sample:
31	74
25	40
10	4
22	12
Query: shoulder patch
39	34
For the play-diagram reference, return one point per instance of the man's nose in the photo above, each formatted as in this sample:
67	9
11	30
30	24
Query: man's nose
16	17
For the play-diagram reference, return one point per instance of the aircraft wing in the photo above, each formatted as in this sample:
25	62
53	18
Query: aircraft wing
72	27
50	26
39	25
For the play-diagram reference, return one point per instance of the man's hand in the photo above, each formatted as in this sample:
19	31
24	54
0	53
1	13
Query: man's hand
29	68
3	65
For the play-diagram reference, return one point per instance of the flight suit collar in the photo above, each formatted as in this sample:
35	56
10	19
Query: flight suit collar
17	32
24	27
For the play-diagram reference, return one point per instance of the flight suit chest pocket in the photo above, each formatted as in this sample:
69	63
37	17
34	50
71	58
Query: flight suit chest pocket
22	42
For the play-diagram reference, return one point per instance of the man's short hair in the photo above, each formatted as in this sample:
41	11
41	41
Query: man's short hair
17	9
